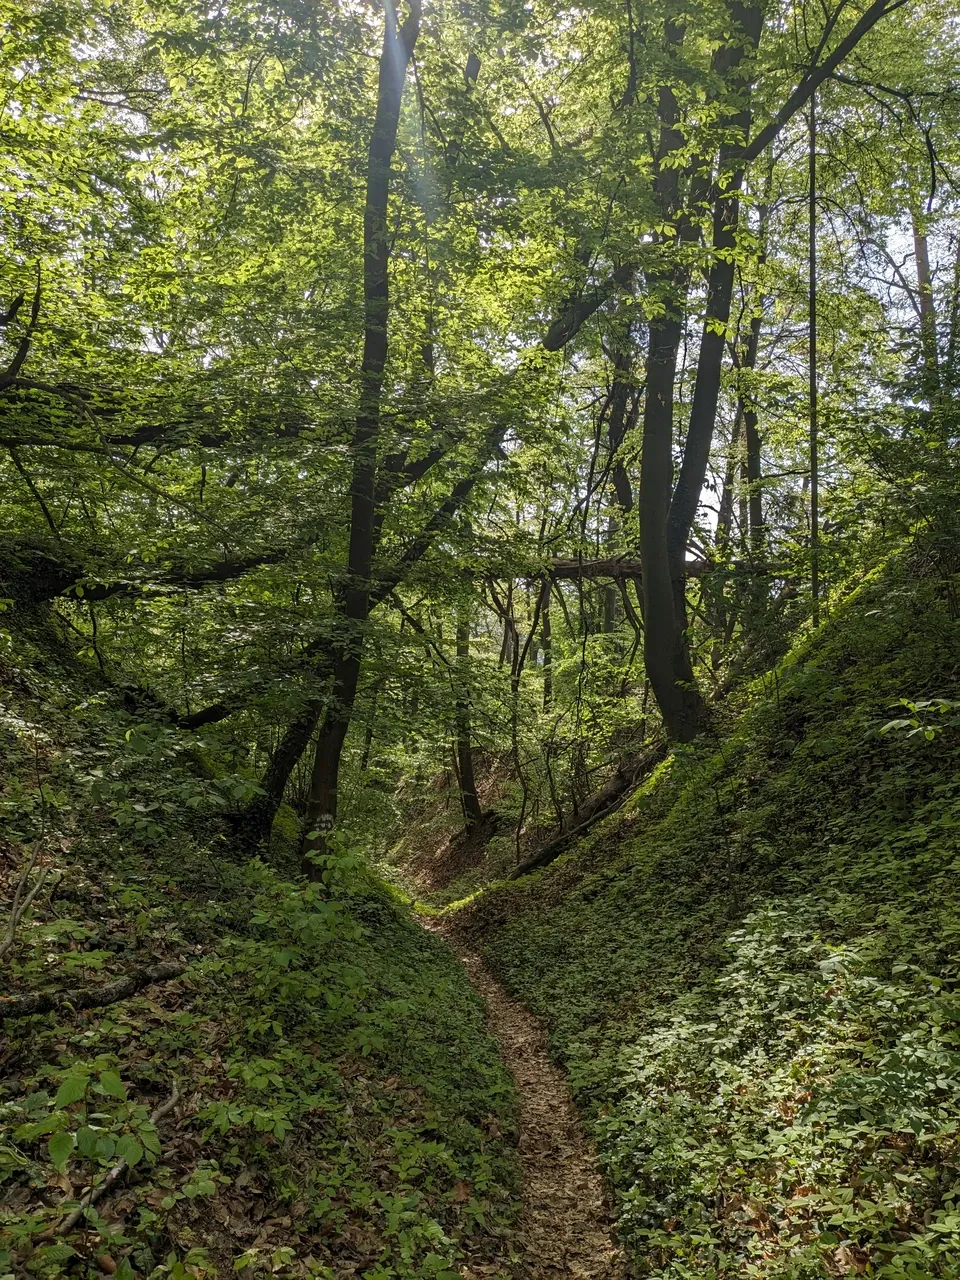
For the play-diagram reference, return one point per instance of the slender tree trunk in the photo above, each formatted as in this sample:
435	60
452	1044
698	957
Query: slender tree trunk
747	402
611	592
812	368
621	417
368	731
546	640
752	442
353	599
720	612
928	314
953	336
725	510
472	812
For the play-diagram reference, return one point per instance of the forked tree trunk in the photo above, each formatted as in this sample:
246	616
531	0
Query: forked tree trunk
666	524
665	649
667	514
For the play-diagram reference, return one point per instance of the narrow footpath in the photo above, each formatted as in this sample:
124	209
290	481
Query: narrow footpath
565	1228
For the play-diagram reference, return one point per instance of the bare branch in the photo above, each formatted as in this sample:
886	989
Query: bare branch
97	1192
23	897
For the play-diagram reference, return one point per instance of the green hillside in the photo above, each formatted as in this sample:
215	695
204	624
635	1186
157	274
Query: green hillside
479	639
751	972
334	1089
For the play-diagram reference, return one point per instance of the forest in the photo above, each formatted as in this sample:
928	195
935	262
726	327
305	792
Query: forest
480	639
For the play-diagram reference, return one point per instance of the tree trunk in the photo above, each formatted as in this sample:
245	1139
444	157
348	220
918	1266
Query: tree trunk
724	534
665	650
752	440
254	824
470	801
667	514
622	416
325	776
950	378
368	731
925	302
353	598
665	524
812	367
546	640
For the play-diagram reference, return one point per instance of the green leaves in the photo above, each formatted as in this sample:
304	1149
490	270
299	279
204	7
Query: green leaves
129	1149
103	1139
60	1148
73	1088
928	719
112	1085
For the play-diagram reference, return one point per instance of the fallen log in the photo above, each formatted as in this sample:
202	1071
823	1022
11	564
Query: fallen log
89	997
600	805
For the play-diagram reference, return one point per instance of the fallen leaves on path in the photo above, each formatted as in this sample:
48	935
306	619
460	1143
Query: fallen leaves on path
565	1228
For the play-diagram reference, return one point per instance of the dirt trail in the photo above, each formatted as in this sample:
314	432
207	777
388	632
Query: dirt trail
565	1227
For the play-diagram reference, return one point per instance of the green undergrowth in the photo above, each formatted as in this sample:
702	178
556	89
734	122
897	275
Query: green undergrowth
341	1109
752	973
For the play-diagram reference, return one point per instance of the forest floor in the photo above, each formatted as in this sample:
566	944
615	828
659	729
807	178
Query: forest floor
565	1227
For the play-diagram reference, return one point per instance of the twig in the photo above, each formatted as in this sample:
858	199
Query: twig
21	902
95	1193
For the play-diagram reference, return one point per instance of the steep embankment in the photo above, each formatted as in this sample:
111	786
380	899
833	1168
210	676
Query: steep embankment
751	973
306	1088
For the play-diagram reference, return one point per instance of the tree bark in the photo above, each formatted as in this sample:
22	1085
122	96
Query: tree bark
950	378
546	641
724	535
353	598
665	649
752	441
925	302
89	997
667	513
470	801
812	367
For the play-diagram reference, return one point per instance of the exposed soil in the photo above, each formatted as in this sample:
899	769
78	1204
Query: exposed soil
432	869
565	1228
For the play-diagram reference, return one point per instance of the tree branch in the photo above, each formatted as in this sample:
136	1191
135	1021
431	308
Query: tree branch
87	997
814	77
95	1193
9	374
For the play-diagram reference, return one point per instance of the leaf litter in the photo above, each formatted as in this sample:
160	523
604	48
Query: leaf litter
565	1226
